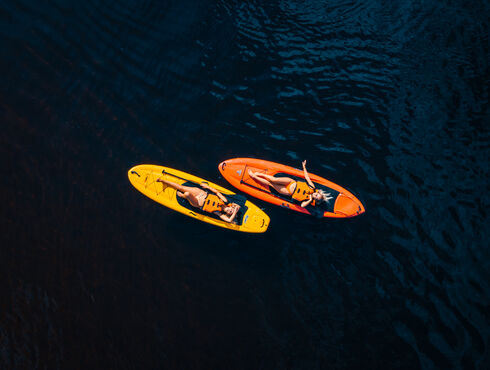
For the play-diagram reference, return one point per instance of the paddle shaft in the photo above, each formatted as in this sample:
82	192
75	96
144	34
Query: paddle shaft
171	174
198	184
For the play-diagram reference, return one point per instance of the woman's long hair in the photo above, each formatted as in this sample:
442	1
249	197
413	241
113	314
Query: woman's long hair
325	196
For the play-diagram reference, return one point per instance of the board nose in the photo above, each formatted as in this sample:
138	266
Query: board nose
260	221
221	166
348	206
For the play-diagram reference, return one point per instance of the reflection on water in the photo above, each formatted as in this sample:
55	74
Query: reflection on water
386	99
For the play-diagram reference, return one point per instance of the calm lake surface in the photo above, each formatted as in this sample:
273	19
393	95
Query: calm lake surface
388	99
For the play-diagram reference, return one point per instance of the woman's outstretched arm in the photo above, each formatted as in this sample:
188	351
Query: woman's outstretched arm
307	178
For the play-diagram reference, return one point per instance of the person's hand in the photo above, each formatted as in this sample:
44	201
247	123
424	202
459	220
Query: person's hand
204	185
304	163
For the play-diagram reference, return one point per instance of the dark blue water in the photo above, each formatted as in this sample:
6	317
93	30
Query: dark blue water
388	99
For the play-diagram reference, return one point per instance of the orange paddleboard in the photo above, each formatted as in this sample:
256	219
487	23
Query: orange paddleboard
235	171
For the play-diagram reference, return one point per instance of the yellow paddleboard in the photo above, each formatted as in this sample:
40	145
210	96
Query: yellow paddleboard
250	218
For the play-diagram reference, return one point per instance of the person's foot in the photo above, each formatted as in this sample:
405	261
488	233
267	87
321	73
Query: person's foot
160	180
251	174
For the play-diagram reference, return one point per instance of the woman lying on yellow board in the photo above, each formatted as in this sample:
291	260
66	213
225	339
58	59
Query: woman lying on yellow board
304	192
215	203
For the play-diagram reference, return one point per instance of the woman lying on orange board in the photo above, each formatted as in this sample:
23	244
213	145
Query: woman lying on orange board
304	192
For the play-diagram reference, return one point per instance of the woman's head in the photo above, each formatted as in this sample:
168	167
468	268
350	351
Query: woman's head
320	196
227	208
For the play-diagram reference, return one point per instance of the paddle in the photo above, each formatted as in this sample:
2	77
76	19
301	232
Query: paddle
171	174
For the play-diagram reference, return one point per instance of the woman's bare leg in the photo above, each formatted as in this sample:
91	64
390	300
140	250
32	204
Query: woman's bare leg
174	185
276	180
278	183
181	188
260	180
